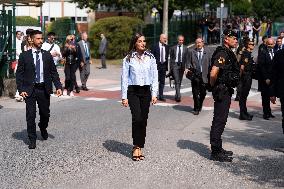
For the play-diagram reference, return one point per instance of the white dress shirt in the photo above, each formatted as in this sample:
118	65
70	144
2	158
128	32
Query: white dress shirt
181	49
162	48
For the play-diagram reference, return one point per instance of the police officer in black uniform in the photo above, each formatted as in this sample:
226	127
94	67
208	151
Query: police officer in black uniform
248	68
224	76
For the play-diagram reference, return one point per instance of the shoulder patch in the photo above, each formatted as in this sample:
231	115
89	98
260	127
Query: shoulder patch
246	60
221	60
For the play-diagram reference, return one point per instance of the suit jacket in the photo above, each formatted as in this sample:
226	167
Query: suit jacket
25	75
205	61
264	68
156	52
103	46
83	54
276	47
278	74
173	55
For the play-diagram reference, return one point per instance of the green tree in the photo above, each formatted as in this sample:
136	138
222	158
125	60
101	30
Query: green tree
118	31
26	21
271	9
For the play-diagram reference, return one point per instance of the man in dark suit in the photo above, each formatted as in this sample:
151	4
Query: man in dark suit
85	60
265	57
35	74
277	87
278	46
198	64
178	58
102	51
161	53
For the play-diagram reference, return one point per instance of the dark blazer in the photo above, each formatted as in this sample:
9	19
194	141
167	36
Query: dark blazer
278	74
264	68
156	52
173	55
276	47
206	62
82	49
25	75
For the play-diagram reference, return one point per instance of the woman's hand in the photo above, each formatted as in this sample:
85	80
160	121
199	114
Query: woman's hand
154	100
124	102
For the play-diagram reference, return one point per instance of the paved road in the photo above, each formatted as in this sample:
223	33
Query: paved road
90	144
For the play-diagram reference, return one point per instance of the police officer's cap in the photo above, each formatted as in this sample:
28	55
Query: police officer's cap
230	33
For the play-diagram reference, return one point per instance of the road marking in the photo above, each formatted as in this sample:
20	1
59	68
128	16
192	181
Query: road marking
173	92
116	88
96	99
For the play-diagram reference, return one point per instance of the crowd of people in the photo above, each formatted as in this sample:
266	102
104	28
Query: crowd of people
229	66
143	78
73	55
252	27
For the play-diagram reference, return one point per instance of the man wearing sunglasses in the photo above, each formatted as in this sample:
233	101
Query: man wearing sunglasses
52	47
248	67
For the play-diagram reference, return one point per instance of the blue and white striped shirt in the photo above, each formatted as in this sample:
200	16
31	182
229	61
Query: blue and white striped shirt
139	71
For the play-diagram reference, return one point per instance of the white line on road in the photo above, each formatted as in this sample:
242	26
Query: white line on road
96	99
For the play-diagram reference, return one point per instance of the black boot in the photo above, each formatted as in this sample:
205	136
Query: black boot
218	154
32	144
227	152
245	117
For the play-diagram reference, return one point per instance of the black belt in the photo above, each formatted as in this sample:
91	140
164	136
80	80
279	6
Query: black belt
39	85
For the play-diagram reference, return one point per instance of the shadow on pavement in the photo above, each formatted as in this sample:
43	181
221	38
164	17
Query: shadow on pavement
260	169
23	135
197	147
118	147
183	108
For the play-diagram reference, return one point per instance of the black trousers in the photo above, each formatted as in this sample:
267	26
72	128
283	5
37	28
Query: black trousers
178	75
265	97
70	70
40	97
75	79
161	78
139	98
103	60
282	110
245	86
220	115
199	93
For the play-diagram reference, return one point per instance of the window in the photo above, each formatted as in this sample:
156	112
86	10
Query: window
84	19
79	19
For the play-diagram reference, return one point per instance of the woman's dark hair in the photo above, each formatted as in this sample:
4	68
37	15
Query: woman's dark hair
132	47
133	42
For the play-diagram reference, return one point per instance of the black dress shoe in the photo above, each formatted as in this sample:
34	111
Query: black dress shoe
77	90
195	112
237	98
44	134
251	116
245	117
162	99
272	116
227	152
177	99
85	89
221	157
32	144
266	117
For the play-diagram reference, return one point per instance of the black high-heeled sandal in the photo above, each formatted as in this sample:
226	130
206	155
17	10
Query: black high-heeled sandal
135	158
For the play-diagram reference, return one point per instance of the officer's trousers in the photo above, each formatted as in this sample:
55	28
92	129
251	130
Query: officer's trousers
245	86
139	98
220	115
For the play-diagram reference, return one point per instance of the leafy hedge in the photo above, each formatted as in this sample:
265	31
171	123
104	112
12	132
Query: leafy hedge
118	31
61	26
26	21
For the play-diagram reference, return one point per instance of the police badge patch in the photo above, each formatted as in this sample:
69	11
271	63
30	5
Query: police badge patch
221	60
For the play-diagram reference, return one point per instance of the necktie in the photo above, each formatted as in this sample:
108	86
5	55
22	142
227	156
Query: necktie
271	53
199	66
37	67
86	51
179	54
162	54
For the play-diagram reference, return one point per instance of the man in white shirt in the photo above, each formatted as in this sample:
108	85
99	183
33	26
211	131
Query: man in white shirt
51	47
18	52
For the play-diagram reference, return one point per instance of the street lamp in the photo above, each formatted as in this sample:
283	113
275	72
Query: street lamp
221	20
